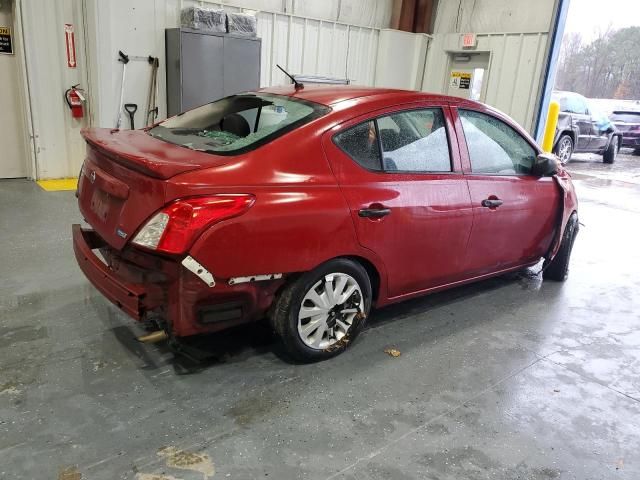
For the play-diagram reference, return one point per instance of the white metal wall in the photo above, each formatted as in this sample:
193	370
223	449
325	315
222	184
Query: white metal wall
320	45
300	44
58	146
515	69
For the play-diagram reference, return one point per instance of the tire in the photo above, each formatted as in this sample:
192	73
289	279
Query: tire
636	152
564	148
336	329
609	155
558	269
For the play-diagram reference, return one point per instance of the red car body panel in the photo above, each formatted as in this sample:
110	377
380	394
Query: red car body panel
308	193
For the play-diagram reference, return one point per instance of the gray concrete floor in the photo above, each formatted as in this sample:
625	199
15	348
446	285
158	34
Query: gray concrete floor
511	378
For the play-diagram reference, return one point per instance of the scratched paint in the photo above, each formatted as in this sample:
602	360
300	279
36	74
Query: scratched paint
196	462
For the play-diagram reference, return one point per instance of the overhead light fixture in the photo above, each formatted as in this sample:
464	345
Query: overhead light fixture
462	58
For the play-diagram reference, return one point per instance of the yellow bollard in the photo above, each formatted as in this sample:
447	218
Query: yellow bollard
550	127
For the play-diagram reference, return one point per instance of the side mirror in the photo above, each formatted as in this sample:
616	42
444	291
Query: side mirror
546	165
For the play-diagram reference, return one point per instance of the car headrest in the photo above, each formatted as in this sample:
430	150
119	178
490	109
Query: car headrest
236	124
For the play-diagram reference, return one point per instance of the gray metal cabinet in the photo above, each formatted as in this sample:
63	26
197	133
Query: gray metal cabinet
205	66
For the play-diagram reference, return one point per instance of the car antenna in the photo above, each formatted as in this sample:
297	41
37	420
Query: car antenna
296	84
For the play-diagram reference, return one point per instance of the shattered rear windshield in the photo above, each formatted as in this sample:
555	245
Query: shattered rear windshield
238	123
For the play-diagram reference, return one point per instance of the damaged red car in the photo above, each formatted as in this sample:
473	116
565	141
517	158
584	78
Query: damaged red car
309	206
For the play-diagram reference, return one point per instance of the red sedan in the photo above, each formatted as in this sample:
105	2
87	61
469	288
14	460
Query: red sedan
308	206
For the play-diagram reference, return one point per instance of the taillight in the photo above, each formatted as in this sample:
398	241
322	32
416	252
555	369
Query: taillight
174	228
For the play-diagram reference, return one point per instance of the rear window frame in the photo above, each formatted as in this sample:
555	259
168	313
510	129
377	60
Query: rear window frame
319	110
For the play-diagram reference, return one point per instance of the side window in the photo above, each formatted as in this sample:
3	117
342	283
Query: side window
494	147
414	141
361	144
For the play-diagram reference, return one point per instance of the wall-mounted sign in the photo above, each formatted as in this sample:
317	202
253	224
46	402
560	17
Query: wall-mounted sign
460	80
469	40
70	40
6	43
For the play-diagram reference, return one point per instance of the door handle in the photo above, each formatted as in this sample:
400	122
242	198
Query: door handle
374	212
491	202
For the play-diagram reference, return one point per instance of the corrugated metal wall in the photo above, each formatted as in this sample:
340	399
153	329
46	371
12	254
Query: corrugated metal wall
515	69
312	46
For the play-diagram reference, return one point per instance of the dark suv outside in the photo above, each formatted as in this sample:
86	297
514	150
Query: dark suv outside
628	124
583	129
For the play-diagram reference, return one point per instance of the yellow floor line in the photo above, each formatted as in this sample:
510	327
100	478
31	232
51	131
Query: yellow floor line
58	184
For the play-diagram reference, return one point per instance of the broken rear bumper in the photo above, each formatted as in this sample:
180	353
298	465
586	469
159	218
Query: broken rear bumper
127	296
141	283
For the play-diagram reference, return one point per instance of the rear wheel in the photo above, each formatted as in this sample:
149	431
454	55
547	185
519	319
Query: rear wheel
564	149
636	152
610	153
320	313
558	269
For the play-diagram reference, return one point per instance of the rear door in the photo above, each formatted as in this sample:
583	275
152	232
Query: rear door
408	197
514	212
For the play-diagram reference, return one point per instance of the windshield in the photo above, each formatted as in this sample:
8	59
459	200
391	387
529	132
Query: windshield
238	123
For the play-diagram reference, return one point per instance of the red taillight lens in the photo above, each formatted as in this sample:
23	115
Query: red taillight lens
176	226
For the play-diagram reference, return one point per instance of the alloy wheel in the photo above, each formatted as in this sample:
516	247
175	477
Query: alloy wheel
329	309
564	151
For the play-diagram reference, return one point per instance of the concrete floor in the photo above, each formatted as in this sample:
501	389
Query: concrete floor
511	378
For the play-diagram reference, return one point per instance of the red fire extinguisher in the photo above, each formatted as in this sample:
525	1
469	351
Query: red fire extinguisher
75	99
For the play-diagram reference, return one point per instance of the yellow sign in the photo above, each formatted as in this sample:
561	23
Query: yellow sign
6	45
460	80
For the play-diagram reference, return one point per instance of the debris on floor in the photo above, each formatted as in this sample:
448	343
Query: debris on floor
69	473
154	476
392	352
197	462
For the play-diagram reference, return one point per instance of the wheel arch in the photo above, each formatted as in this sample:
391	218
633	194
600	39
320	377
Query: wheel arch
372	272
570	133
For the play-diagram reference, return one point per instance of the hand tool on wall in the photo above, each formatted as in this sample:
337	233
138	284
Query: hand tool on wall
124	59
152	97
131	109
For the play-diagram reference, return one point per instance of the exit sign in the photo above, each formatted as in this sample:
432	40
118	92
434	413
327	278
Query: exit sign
469	40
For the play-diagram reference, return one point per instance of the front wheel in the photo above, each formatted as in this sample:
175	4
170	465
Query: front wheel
320	313
558	269
610	153
564	149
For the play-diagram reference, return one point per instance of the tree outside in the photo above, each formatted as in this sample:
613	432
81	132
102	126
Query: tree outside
606	67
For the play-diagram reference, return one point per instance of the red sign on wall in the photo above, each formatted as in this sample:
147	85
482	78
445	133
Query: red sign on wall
469	40
70	40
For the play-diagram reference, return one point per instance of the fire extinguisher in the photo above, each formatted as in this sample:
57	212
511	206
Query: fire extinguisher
75	99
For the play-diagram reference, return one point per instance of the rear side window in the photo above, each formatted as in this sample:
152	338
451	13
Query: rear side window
361	144
494	147
410	141
238	123
415	141
625	117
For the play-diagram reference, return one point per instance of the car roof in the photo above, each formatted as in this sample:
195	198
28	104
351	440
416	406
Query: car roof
333	94
567	93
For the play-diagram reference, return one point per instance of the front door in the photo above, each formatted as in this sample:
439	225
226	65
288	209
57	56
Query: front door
408	197
13	161
513	211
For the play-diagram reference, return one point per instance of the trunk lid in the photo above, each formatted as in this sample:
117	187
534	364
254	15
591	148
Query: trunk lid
123	179
137	150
